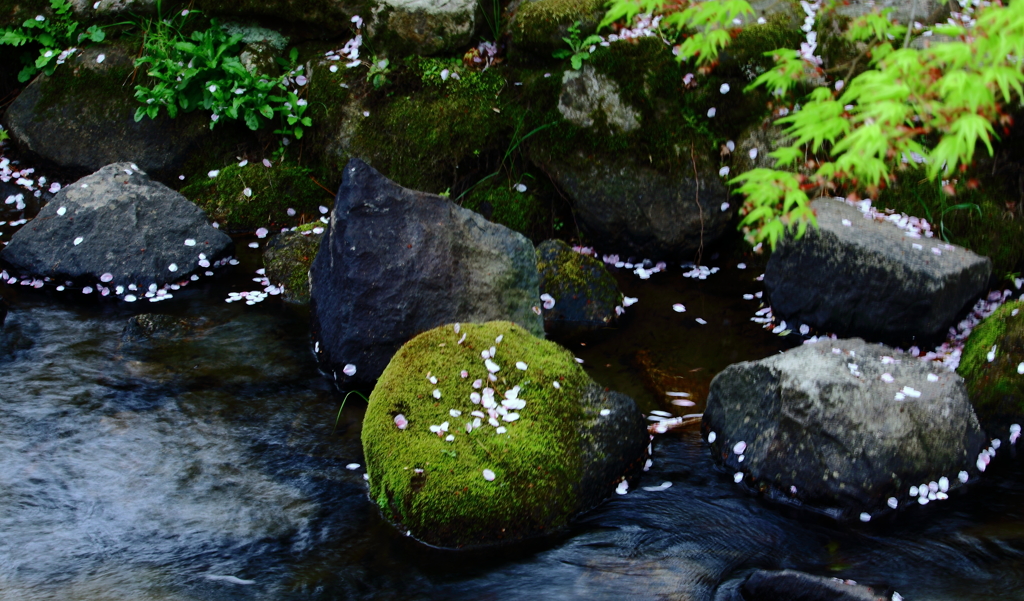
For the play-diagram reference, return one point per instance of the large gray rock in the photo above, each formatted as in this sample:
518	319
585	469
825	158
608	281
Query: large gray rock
395	262
83	117
638	211
118	222
425	26
840	426
859	277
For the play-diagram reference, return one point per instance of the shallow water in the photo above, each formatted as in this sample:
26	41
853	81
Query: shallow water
154	469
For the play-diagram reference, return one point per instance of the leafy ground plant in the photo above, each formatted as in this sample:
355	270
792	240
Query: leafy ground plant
204	70
579	50
56	35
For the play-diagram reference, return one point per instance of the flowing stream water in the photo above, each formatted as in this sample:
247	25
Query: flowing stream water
210	466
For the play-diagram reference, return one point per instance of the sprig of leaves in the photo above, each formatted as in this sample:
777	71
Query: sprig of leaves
56	35
579	50
204	70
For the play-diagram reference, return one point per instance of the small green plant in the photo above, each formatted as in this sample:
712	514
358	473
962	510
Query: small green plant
57	35
377	72
579	50
944	208
204	70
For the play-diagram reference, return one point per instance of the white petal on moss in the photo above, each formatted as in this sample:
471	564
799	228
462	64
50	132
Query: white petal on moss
489	475
491	366
520	365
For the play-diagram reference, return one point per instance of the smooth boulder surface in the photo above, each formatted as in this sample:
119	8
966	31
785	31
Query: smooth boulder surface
585	295
396	262
82	118
637	211
855	276
840	426
459	460
118	222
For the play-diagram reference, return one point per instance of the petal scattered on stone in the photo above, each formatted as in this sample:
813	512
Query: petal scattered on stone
349	370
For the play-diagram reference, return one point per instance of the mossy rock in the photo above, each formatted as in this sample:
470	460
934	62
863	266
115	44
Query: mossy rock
585	294
539	25
523	212
81	118
558	459
996	388
287	260
271	192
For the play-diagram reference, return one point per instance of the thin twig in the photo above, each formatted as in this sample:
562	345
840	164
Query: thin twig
700	209
910	25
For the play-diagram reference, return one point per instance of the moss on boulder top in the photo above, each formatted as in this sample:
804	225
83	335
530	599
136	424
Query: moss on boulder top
540	455
996	387
585	294
252	195
287	260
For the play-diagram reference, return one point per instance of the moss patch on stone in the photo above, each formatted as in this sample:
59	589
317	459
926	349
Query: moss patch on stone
523	212
287	260
995	388
539	25
420	137
435	488
585	293
274	191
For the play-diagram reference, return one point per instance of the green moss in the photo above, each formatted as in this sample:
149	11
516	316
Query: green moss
274	191
523	212
585	293
994	387
994	233
675	131
745	56
105	89
288	258
537	462
420	139
540	24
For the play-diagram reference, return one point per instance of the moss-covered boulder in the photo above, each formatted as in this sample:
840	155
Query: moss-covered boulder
251	195
287	260
459	459
538	26
583	293
996	386
82	118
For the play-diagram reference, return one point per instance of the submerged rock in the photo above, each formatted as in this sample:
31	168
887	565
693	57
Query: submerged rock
859	277
991	365
117	227
791	585
841	426
537	457
287	260
584	294
153	325
82	118
638	211
395	262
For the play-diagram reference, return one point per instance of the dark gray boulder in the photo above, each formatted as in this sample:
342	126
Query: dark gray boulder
82	118
583	294
118	223
860	277
843	427
638	211
395	262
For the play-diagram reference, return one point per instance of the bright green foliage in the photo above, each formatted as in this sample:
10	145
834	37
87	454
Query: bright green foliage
377	72
56	35
950	92
204	70
435	488
578	49
706	25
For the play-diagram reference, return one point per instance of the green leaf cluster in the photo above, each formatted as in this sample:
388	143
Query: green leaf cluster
56	35
204	70
579	50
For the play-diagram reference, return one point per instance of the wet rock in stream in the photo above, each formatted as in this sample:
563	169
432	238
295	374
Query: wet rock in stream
843	427
857	277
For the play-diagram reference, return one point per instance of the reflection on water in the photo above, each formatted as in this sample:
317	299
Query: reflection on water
153	469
